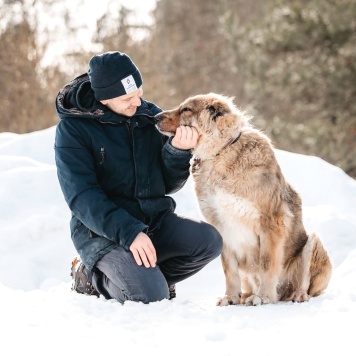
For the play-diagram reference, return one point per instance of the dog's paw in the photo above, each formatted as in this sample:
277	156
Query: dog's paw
300	296
228	300
256	300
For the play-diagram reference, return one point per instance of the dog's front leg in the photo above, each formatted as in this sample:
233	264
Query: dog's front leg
271	258
302	273
232	279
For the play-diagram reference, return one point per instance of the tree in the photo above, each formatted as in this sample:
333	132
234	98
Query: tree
290	63
188	52
26	103
300	77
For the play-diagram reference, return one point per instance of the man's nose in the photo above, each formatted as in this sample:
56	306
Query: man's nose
136	101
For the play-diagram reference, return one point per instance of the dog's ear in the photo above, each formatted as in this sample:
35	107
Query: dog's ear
215	112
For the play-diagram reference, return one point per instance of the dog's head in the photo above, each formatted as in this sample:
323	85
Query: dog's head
214	116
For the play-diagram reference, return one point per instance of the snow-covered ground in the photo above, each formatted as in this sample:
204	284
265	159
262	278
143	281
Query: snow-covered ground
41	316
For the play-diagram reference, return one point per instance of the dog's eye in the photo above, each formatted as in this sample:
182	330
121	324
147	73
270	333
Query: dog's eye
214	112
212	109
186	110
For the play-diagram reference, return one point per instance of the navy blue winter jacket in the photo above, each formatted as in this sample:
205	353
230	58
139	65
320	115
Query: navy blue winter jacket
115	172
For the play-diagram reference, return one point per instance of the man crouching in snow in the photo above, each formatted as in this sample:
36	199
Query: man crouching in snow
115	170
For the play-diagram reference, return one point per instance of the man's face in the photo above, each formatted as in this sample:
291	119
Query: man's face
125	104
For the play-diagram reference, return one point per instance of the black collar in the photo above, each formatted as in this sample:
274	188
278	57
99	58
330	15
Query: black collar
232	141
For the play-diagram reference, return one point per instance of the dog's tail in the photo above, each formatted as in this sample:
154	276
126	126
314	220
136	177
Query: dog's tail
320	266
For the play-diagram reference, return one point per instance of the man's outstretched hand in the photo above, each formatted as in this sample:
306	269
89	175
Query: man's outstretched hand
143	250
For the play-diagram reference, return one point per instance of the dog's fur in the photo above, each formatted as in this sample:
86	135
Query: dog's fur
267	255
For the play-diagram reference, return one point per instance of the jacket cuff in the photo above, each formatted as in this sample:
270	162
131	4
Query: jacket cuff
175	151
140	228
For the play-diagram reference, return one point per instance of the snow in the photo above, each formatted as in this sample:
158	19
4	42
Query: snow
40	314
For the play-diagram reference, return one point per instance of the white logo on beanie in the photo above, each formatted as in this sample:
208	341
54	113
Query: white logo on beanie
129	84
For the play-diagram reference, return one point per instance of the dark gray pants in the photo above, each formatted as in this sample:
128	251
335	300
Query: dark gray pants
183	247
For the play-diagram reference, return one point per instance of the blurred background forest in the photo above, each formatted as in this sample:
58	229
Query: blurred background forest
289	63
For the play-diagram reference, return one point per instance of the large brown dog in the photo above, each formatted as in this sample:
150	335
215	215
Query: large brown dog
267	254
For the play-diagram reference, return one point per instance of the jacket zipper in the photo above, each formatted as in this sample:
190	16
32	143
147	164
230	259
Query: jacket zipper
128	125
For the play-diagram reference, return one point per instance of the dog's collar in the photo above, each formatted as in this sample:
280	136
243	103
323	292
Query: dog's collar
196	160
232	141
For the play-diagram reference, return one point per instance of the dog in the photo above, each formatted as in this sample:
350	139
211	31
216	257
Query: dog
267	255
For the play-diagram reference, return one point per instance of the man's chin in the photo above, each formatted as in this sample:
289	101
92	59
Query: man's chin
131	112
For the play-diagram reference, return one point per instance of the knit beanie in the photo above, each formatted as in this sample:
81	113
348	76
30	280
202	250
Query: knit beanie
113	74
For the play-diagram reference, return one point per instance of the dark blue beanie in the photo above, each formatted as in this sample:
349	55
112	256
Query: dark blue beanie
113	74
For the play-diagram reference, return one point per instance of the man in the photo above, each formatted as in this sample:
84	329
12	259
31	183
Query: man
115	170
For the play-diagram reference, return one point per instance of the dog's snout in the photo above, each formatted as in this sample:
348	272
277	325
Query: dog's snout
166	123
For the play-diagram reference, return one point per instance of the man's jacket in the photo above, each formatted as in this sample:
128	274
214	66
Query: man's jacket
115	172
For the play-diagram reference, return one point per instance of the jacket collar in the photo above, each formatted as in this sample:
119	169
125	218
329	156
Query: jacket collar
83	104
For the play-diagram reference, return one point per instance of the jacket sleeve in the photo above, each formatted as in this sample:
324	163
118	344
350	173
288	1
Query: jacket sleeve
85	198
176	167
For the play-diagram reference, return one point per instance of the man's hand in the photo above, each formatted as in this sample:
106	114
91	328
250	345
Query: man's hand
186	137
143	250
